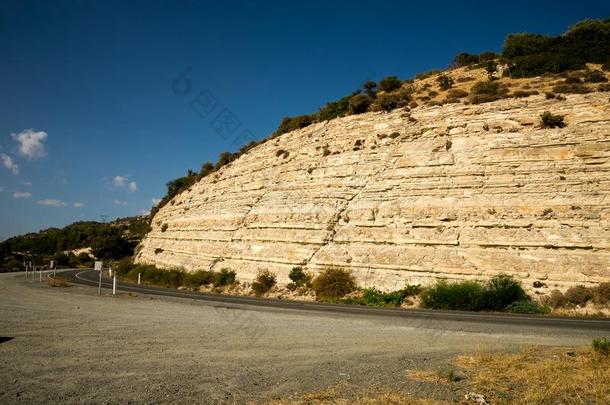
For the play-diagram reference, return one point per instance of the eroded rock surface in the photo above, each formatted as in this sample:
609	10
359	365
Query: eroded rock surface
456	192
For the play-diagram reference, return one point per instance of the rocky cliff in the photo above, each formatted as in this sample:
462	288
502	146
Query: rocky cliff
455	191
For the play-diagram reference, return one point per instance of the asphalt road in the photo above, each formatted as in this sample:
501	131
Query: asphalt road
153	345
447	318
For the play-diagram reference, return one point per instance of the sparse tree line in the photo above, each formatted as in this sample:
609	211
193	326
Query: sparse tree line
111	241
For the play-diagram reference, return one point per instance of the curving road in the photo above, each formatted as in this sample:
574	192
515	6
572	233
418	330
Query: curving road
69	345
455	318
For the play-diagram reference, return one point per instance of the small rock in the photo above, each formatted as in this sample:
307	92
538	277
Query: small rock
538	284
476	398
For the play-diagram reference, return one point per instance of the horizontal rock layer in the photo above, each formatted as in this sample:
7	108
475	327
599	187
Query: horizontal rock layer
455	192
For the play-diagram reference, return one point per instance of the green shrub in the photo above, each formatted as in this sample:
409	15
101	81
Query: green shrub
163	227
265	280
601	294
523	93
464	295
526	306
464	59
487	56
556	299
444	82
224	277
172	278
332	283
375	298
425	75
601	345
490	67
573	79
606	66
548	120
533	55
123	266
457	93
289	124
579	295
604	87
198	278
390	83
386	102
206	168
567	88
359	104
334	109
487	91
299	277
501	291
370	87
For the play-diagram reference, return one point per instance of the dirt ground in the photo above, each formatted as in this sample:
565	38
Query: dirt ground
69	345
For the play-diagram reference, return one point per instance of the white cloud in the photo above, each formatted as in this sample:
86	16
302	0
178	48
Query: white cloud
52	202
31	143
144	212
120	181
125	182
8	162
120	202
78	205
155	201
19	194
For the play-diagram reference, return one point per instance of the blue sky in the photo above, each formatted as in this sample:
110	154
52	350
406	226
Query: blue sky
94	121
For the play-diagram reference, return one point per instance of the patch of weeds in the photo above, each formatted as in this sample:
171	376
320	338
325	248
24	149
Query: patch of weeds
265	280
601	345
549	120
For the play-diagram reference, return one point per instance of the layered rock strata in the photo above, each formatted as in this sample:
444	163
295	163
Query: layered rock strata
456	192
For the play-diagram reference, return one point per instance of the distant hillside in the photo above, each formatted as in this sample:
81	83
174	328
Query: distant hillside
111	240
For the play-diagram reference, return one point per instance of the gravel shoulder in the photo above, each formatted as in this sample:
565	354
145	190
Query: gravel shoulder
70	345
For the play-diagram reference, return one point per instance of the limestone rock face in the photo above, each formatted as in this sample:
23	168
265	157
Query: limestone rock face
455	192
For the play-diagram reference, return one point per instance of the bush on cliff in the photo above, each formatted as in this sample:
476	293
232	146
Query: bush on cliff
465	296
265	280
390	83
532	55
359	104
224	277
499	293
487	91
375	298
333	283
299	277
548	120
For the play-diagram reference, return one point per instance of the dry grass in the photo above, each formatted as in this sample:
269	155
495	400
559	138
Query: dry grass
533	376
540	376
465	78
58	282
333	397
